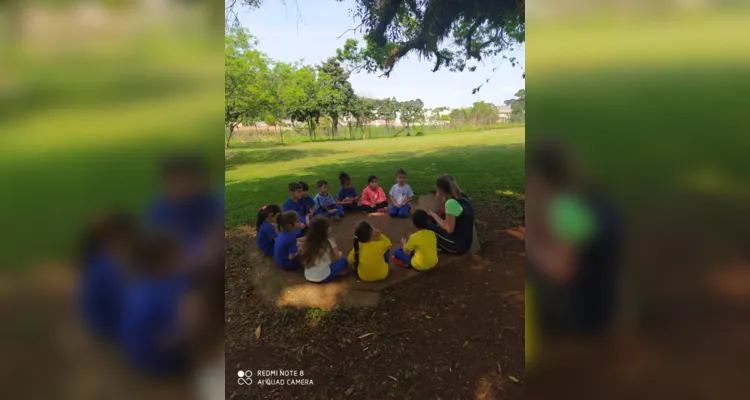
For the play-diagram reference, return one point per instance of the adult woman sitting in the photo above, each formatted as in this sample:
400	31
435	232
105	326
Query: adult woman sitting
455	231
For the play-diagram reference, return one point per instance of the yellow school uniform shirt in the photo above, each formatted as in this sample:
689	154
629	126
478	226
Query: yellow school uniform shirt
424	245
372	265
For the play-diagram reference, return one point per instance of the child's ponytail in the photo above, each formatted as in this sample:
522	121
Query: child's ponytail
264	212
356	252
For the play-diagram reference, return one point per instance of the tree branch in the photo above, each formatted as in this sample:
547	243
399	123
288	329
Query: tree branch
440	58
389	10
402	51
351	30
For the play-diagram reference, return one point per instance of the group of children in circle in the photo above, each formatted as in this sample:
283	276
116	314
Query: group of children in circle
299	235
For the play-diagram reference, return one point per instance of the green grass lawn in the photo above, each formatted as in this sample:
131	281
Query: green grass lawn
84	133
488	165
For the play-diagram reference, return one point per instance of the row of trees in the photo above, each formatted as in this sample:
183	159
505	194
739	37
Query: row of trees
260	89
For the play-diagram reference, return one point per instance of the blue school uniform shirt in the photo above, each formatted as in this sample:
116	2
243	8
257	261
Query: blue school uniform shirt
324	201
344	193
100	297
190	218
150	316
309	204
286	244
297	206
265	238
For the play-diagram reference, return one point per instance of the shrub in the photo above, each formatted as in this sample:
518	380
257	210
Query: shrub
419	133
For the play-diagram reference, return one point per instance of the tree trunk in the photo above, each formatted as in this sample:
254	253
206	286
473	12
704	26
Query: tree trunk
334	127
281	135
311	129
232	126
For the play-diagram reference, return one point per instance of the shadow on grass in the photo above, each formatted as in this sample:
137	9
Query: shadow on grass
482	171
273	154
129	88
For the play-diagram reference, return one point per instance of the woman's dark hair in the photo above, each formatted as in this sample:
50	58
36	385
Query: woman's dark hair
293	186
305	187
551	162
362	233
104	229
264	212
317	240
371	178
420	219
344	177
322	183
287	218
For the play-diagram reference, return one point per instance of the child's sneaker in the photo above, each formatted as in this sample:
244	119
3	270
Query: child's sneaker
382	210
399	262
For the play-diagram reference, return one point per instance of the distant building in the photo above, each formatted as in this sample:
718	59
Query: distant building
504	109
504	112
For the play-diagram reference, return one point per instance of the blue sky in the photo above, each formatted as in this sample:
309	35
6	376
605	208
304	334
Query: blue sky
306	29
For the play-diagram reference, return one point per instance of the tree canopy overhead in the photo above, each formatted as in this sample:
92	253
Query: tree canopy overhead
450	32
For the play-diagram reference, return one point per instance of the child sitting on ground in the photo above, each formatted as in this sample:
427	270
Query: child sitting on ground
321	257
347	194
188	207
420	251
108	246
265	236
325	204
401	195
371	252
296	204
373	197
151	331
285	251
307	201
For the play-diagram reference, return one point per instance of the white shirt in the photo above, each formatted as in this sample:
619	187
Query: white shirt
321	267
401	193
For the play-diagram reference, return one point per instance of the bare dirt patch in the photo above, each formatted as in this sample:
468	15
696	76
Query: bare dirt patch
290	289
455	332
